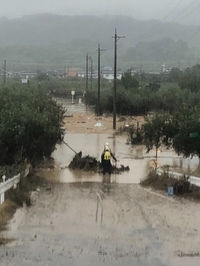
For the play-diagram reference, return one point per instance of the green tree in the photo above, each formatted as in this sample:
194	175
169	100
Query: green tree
42	76
153	133
174	75
191	79
186	121
30	125
128	81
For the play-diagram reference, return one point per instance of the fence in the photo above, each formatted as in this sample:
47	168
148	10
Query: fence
11	182
192	179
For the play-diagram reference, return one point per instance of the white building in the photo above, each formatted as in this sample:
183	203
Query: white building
109	74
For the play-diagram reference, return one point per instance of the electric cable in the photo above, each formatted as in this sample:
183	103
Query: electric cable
170	23
162	20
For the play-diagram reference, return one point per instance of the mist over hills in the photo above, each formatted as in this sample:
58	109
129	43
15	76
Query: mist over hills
49	29
59	41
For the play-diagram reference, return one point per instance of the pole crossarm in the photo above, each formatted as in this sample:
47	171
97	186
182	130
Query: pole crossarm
119	37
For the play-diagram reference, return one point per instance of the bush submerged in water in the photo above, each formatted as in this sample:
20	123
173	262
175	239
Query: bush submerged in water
86	163
89	163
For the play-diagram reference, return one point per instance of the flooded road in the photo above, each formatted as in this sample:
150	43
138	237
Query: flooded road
133	156
78	220
92	144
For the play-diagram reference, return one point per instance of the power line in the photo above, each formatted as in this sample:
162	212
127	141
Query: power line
193	35
163	27
187	41
184	10
162	20
172	10
194	9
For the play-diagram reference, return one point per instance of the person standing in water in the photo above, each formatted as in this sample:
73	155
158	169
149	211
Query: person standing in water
106	157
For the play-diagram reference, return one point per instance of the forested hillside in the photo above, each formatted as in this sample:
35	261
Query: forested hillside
53	41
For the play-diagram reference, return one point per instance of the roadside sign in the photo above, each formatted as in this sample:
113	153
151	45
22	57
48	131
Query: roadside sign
194	135
170	191
72	93
24	81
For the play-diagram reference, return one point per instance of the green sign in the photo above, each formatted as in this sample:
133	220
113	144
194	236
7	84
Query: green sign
194	135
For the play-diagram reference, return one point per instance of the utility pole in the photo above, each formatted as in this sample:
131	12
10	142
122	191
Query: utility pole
91	71
4	75
99	78
116	38
86	76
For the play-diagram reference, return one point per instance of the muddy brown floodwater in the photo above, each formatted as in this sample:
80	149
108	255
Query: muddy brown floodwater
92	144
79	220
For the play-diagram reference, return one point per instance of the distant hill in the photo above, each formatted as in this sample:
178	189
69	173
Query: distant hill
53	40
50	29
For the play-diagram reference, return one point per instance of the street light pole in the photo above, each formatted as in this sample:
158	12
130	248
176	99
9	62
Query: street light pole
116	38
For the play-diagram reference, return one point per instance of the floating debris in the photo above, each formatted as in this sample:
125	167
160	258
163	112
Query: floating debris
89	163
98	124
86	163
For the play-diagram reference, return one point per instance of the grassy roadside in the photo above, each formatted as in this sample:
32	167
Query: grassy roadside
162	182
15	198
7	209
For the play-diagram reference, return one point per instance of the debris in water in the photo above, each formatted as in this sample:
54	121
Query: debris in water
99	124
86	163
89	163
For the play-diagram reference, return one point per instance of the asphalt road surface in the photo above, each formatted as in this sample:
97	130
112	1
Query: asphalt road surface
93	224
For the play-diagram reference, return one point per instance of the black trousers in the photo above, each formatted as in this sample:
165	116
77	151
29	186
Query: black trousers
107	167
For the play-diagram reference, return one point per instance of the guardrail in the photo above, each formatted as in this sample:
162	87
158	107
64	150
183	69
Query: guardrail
192	179
11	182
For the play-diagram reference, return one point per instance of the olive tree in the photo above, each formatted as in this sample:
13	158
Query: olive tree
153	133
30	125
186	140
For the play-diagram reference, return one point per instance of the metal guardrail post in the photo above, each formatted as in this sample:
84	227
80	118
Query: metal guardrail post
3	194
11	182
192	179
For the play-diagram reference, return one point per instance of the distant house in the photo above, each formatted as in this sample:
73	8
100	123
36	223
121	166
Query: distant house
107	68
105	73
6	73
61	73
24	74
94	74
109	74
155	73
81	74
72	72
135	70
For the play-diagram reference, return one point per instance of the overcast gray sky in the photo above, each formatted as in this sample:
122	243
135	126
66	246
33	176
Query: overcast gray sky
182	11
